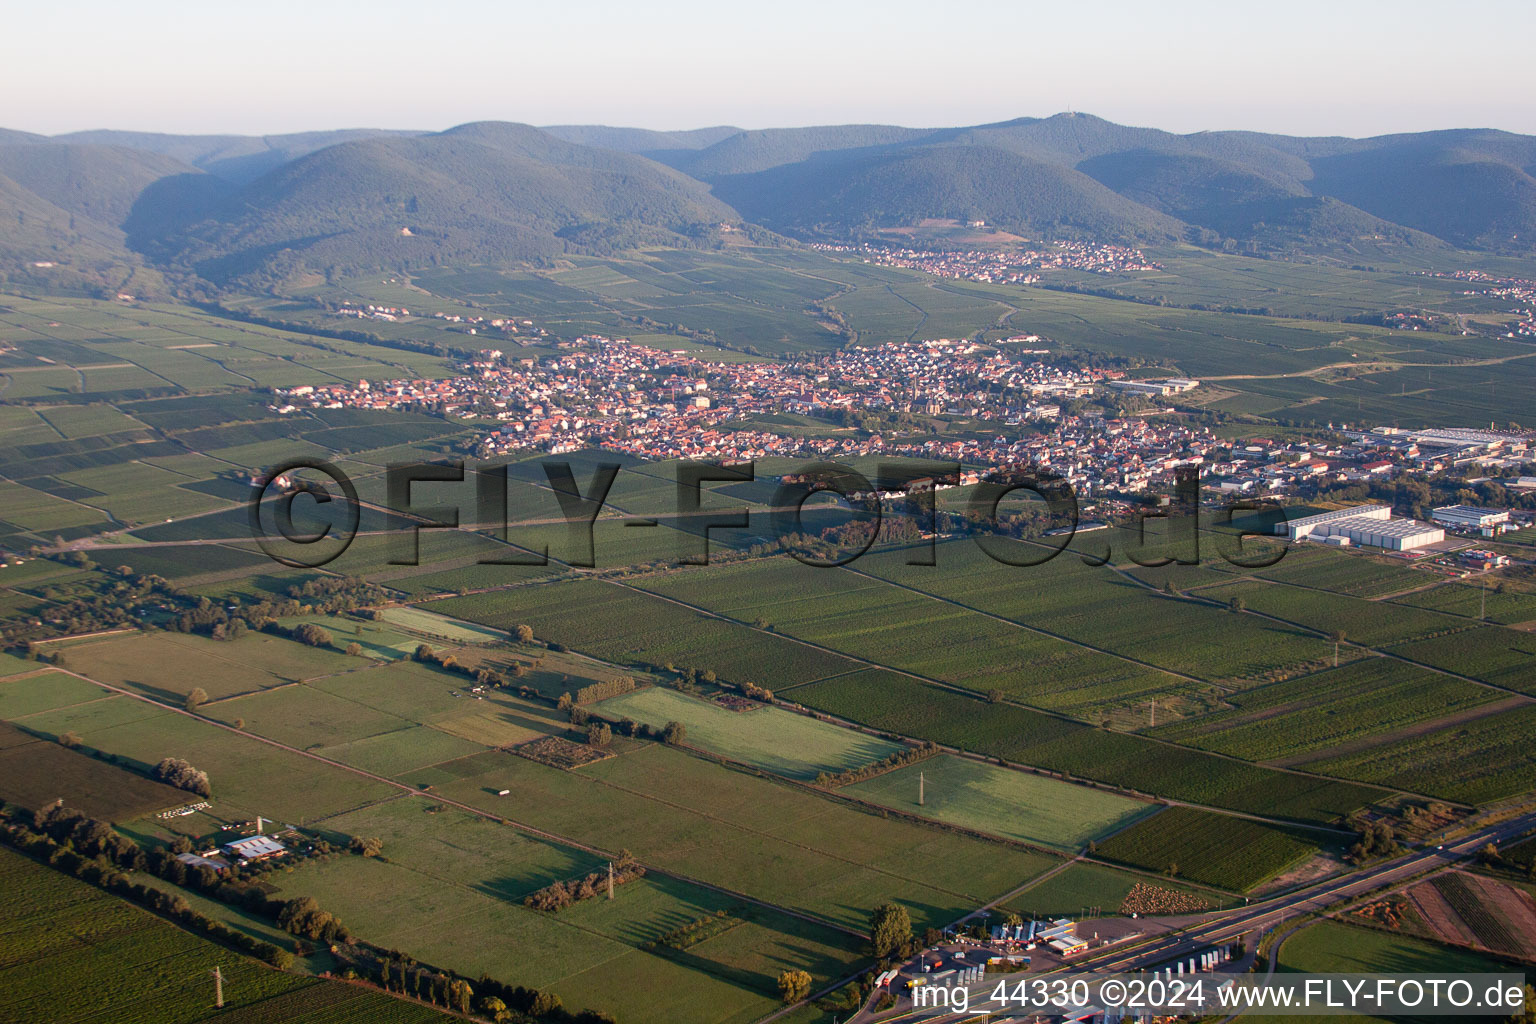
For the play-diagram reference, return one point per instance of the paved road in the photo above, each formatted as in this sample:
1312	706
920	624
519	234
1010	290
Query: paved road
1229	925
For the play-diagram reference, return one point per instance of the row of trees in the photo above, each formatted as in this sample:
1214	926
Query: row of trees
900	759
560	895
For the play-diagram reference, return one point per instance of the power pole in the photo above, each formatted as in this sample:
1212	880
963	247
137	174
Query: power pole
218	988
1152	724
610	879
920	789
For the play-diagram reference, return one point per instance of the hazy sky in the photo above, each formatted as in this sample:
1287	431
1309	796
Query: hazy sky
1314	68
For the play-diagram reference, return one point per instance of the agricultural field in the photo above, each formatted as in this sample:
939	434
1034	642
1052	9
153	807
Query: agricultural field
35	770
1330	946
1494	654
868	618
1353	703
221	668
580	614
1235	854
452	891
249	777
749	833
73	954
1084	885
1101	609
897	704
769	738
1373	623
1018	805
1502	602
1472	762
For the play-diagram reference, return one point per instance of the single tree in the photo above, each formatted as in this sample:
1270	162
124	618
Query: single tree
524	633
890	930
794	986
197	698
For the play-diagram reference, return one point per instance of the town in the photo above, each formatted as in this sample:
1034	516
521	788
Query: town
1095	428
995	266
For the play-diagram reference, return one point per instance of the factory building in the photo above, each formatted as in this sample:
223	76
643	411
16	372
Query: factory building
1469	517
1365	525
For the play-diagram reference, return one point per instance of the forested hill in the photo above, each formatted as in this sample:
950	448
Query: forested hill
258	211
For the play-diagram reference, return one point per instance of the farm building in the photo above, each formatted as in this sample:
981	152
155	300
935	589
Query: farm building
253	848
1369	525
208	860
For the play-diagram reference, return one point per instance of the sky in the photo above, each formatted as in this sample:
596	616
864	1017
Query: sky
1344	67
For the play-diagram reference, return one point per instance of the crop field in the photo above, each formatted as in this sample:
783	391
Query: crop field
1374	623
1230	853
1474	762
580	614
179	563
1502	602
73	954
898	704
1097	607
868	618
1083	886
769	738
1316	712
749	833
1351	574
478	926
1015	804
1494	654
35	771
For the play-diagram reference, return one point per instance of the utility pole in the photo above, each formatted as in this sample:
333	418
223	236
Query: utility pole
218	988
610	879
1152	723
920	789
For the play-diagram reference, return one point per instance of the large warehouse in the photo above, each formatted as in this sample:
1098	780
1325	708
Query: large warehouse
1368	525
1469	517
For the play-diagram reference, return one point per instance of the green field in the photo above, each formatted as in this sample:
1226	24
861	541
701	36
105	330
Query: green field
749	833
795	746
1018	805
1083	886
73	954
897	704
1312	713
452	892
1230	853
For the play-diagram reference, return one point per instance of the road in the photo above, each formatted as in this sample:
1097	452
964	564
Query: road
1320	897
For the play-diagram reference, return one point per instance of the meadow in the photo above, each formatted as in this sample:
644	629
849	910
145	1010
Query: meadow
458	902
1018	805
749	833
778	741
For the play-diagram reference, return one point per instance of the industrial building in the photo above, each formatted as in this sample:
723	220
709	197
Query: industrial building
1469	517
1367	525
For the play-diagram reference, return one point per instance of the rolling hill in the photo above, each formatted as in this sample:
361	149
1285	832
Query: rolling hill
267	209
